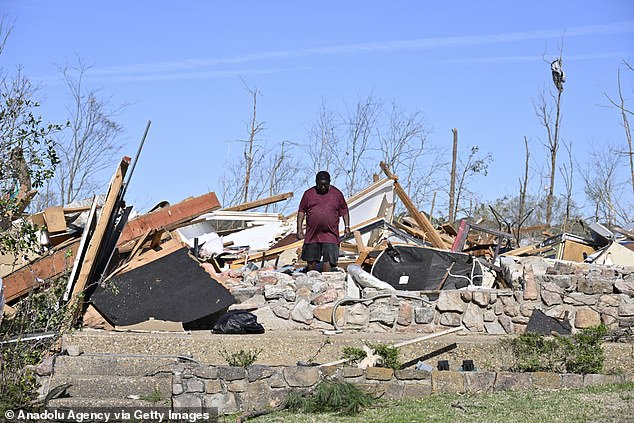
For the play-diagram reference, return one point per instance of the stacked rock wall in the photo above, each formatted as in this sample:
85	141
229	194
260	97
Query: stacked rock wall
235	389
584	294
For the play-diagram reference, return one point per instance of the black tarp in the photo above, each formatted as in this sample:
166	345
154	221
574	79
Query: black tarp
412	268
173	288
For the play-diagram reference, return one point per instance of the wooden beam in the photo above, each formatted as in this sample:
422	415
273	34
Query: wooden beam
259	203
420	218
169	217
360	245
24	279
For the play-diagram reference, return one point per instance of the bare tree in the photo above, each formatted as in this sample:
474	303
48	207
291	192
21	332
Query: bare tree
567	173
626	124
322	136
466	170
543	109
90	143
452	182
603	188
350	153
523	188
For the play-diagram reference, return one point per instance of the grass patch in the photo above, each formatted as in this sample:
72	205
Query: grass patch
611	403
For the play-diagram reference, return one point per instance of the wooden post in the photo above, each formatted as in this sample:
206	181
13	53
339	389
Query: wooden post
419	217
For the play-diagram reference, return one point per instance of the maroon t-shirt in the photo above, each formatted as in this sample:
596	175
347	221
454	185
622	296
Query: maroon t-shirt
322	215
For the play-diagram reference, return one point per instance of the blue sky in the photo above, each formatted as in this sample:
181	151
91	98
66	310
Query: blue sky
476	66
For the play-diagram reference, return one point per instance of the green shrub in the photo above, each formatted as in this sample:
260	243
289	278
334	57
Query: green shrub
353	355
388	355
578	353
240	358
331	396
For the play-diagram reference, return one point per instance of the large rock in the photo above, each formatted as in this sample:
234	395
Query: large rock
324	313
472	318
405	314
383	313
272	292
303	312
479	382
625	287
481	298
301	376
328	296
551	294
531	290
357	315
626	308
225	402
585	317
450	301
423	315
450	319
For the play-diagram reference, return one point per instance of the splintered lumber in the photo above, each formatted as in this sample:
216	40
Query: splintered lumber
420	218
169	217
28	277
258	203
95	243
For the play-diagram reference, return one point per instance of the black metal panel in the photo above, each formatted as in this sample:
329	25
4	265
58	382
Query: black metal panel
174	288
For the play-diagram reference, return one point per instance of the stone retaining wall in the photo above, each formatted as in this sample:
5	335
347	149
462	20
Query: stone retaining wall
237	389
584	294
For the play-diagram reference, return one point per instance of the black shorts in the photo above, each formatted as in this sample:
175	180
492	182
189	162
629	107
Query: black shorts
316	250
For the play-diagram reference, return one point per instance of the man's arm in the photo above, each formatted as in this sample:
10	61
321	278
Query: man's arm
346	222
300	224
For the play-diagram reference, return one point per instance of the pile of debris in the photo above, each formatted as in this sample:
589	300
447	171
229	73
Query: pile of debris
183	266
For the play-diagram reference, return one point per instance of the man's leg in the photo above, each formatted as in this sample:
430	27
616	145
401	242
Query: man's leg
331	256
311	253
311	265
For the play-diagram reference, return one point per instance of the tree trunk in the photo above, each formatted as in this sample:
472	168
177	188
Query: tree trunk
452	183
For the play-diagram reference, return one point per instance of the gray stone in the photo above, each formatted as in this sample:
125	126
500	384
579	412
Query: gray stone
272	292
225	402
277	380
479	382
447	382
206	372
423	315
609	300
626	308
450	301
585	317
467	296
281	310
506	323
481	298
412	374
213	386
595	379
195	385
74	350
303	312
45	368
512	381
301	376
258	372
450	319
551	294
357	315
319	286
566	282
382	313
595	285
256	397
578	298
417	390
494	328
237	385
187	402
625	287
526	309
242	294
546	380
177	388
520	319
229	373
498	308
348	372
472	318
378	373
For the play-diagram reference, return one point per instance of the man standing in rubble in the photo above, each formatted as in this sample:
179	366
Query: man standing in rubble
322	206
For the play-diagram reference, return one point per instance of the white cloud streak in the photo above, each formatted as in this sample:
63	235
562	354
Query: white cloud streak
195	68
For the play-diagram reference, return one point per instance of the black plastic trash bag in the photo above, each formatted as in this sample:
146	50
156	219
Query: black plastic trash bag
238	322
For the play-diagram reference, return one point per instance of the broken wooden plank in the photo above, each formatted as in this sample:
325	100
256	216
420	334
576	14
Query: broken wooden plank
259	203
108	210
28	277
169	217
55	220
420	218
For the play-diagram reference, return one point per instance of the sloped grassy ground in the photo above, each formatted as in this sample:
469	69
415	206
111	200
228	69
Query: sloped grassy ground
612	403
